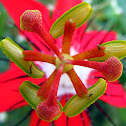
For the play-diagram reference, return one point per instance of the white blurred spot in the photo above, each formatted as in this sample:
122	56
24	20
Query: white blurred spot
116	7
89	1
50	7
47	68
83	73
65	85
3	117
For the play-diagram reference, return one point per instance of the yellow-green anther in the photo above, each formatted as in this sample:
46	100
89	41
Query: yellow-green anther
78	14
113	48
14	52
77	104
29	91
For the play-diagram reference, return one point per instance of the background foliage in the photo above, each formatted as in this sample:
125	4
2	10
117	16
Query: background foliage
107	13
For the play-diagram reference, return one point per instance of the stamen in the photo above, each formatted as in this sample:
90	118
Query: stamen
91	53
37	56
31	20
55	84
111	68
77	83
50	109
47	38
45	88
68	33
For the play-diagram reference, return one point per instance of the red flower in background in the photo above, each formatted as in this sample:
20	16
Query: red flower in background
11	79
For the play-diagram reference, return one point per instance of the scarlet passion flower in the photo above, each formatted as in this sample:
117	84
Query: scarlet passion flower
104	58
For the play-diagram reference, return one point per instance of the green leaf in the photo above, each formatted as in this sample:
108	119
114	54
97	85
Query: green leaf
77	104
14	52
113	48
29	92
79	14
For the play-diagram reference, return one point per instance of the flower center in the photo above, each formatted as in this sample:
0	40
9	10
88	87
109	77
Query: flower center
63	61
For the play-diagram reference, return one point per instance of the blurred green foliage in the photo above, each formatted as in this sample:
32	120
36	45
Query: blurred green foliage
16	116
108	13
111	12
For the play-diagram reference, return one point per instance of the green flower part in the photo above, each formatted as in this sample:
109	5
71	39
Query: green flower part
112	48
14	52
77	104
78	14
29	92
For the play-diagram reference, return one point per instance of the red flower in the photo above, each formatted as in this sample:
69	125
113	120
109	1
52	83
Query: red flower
10	96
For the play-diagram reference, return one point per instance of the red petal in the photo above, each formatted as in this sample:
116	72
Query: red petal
116	101
78	35
115	94
9	88
62	119
34	38
79	120
35	121
62	6
92	38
